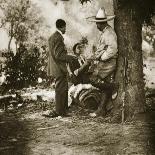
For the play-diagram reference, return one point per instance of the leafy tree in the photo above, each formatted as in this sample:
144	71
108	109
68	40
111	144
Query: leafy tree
24	68
84	1
23	23
20	18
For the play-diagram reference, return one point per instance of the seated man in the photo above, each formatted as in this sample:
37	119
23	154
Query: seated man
82	75
80	67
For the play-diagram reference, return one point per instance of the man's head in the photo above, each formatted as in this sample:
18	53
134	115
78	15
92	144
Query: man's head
101	19
78	49
61	25
101	25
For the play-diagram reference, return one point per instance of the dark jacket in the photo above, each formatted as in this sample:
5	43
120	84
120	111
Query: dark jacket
57	56
83	73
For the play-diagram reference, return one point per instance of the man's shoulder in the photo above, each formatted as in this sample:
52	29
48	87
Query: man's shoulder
109	29
109	32
56	35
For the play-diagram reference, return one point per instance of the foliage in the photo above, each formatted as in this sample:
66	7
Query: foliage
84	40
24	68
145	9
19	18
24	23
148	34
84	1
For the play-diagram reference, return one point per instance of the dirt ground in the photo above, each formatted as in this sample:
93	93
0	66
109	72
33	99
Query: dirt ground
26	132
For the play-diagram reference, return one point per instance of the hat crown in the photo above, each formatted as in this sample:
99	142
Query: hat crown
101	13
101	16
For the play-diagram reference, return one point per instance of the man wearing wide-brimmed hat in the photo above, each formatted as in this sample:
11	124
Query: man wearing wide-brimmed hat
106	53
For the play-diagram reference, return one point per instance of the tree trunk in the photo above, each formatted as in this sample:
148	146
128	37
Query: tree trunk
11	37
129	74
9	44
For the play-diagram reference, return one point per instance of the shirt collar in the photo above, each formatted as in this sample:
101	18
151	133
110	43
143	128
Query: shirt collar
60	32
105	28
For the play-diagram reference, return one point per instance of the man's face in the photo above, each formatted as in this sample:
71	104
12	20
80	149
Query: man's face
63	29
100	26
80	49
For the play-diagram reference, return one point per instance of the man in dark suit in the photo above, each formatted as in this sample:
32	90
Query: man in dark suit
57	68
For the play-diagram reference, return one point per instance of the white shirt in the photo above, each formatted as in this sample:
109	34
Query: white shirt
107	45
81	60
60	32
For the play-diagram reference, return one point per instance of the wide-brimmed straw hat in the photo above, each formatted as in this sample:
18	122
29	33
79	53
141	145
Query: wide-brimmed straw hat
101	16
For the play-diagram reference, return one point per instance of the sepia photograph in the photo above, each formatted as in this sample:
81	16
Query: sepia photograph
77	77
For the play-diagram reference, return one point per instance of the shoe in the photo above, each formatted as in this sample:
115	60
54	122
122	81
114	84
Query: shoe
66	115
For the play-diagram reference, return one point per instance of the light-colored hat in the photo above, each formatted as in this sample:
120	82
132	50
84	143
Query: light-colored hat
101	16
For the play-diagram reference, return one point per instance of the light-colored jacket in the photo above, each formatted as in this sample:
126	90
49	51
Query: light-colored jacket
107	49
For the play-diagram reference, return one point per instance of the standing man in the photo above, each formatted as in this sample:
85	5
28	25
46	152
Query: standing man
105	56
57	68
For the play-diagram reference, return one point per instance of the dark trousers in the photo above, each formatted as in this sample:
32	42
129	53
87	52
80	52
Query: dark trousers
61	95
106	88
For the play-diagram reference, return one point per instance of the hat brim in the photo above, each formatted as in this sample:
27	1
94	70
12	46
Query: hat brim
93	19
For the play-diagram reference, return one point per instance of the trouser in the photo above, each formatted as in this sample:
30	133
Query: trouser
61	95
107	88
101	110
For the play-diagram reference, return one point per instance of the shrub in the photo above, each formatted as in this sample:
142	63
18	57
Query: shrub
24	68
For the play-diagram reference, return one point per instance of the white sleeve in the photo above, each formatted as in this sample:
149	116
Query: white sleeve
111	42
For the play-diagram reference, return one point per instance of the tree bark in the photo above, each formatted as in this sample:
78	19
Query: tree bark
11	37
9	44
129	74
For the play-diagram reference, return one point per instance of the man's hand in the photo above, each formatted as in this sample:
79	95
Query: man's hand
91	58
88	62
73	78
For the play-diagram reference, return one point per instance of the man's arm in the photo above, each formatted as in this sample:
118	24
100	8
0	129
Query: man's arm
61	52
111	43
84	68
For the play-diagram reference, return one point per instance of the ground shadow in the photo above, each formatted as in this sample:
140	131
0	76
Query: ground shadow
14	134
